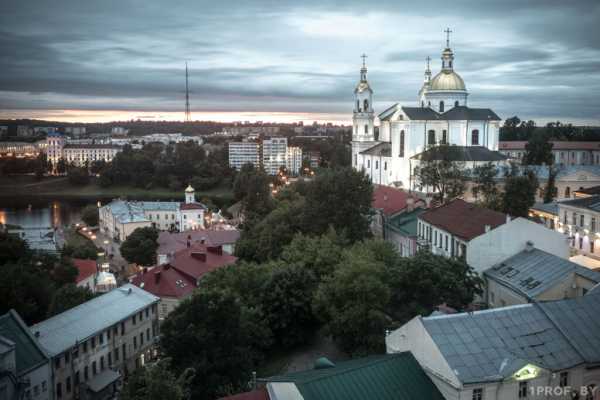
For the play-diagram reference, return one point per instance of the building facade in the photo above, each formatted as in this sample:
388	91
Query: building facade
579	219
95	344
246	152
564	153
78	154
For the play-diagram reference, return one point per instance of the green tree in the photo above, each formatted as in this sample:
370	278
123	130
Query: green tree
67	297
12	248
519	194
158	382
90	215
484	186
78	176
441	170
538	150
140	246
61	166
240	184
550	191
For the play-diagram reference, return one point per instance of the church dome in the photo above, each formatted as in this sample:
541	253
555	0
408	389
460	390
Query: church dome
362	86
447	80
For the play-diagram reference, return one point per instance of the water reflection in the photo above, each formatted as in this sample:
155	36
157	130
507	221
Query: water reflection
52	213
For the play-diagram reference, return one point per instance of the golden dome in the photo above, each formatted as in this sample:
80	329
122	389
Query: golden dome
447	80
189	189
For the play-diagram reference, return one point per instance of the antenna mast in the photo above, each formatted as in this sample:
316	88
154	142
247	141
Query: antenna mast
188	115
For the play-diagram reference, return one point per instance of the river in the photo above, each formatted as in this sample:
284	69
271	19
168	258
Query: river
40	213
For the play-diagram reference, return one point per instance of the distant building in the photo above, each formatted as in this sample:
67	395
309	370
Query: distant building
3	131
293	160
19	149
170	242
37	238
270	154
44	130
579	219
175	280
120	218
246	152
119	130
23	131
92	346
401	230
75	131
25	371
79	154
97	280
274	154
564	153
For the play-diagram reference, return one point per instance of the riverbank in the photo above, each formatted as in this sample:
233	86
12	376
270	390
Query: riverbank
26	186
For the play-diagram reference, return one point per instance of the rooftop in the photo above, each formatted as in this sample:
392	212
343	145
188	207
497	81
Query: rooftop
390	200
591	191
382	377
459	153
548	208
406	223
64	330
29	353
463	219
173	242
556	145
85	268
460	113
590	203
383	149
532	272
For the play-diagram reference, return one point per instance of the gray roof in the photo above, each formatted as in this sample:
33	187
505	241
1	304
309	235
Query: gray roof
460	153
548	208
491	345
459	113
64	330
532	272
28	352
590	203
383	149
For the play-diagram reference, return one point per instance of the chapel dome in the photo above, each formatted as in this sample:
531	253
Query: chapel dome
447	80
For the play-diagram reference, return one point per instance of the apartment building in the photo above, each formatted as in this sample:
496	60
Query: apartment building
272	154
79	154
245	152
95	344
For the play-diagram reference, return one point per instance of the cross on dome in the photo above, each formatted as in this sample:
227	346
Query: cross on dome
448	32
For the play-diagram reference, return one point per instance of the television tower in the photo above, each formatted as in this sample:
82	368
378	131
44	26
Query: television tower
188	115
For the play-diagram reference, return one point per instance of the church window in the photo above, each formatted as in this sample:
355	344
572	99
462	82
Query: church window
385	165
422	103
441	106
357	105
366	105
429	104
475	137
431	138
444	137
456	103
366	129
567	192
368	163
376	164
402	143
355	159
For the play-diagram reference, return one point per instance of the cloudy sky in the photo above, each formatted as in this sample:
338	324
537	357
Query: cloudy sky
279	60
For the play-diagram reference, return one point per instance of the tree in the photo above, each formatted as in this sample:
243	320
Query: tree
78	176
240	184
519	194
484	188
140	246
218	346
157	382
41	165
61	166
441	170
98	166
538	151
550	191
67	297
90	215
12	248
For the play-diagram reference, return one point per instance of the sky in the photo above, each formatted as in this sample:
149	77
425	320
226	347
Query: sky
101	60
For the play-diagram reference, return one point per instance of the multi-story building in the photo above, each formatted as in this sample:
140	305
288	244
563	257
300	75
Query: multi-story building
564	153
540	350
580	220
293	160
24	131
79	154
120	218
246	152
274	154
75	131
25	371
19	149
96	343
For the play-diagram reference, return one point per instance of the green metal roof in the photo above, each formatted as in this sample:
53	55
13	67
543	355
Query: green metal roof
405	223
28	351
383	377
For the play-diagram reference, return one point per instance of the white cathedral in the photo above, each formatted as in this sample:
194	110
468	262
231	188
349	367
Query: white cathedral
406	133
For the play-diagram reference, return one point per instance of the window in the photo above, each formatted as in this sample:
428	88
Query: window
148	309
591	245
581	220
44	387
135	342
117	354
475	137
122	328
441	106
58	390
94	370
523	390
68	384
366	105
402	143
93	342
564	379
435	238
376	164
477	394
444	137
366	129
108	334
57	362
593	224
101	363
148	334
446	246
141	315
101	338
141	339
109	358
76	381
133	319
565	218
567	192
357	105
456	103
67	357
85	373
368	163
580	242
574	218
431	137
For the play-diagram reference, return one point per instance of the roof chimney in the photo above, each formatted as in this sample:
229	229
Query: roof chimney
37	334
199	255
487	228
410	203
529	246
215	249
157	276
507	218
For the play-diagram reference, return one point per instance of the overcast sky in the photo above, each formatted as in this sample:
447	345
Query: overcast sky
535	59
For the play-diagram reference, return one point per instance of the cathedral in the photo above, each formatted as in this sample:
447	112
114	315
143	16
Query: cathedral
441	116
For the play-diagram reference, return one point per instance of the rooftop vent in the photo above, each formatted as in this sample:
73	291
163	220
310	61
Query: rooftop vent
323	363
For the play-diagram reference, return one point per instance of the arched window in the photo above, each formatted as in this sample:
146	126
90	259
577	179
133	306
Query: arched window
402	143
567	192
475	137
366	129
441	106
358	105
429	104
456	103
444	137
366	105
431	138
422	103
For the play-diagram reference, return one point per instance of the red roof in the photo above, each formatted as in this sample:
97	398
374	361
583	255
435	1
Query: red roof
462	219
173	242
85	268
192	206
258	394
391	200
180	275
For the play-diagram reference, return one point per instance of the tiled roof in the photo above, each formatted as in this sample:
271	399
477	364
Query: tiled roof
173	242
64	330
165	281
258	394
200	259
383	149
589	203
29	353
459	153
462	219
192	206
390	200
532	272
379	377
85	268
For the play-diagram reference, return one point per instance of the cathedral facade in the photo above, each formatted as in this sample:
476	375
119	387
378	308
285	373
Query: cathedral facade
440	117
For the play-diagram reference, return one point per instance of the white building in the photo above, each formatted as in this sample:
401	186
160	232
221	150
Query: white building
564	153
274	154
96	343
579	219
79	154
441	117
120	218
246	152
530	351
293	160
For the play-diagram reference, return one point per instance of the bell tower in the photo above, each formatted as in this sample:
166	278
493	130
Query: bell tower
363	129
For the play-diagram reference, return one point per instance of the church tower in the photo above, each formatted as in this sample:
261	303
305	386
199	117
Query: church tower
190	197
363	127
426	85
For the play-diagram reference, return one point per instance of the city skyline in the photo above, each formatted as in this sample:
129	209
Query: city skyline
283	62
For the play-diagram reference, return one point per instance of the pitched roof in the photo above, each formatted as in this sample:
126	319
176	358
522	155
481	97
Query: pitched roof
199	259
85	268
172	242
459	153
64	330
462	219
406	223
383	377
590	203
532	272
460	113
29	353
383	149
594	190
258	394
548	208
164	281
390	200
192	206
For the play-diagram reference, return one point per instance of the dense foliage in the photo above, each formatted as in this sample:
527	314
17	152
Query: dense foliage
157	382
515	129
90	215
140	246
442	171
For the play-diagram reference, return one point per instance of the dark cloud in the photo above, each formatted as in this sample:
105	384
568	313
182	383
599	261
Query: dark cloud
533	58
